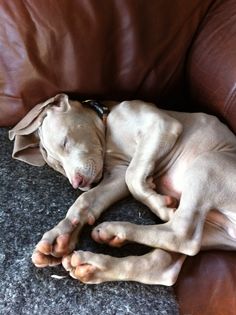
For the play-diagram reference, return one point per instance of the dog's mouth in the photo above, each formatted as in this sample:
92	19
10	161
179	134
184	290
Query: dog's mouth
79	181
85	188
82	183
87	184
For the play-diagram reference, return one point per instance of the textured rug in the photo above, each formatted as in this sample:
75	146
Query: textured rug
33	200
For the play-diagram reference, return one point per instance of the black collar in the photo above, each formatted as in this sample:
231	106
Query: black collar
99	108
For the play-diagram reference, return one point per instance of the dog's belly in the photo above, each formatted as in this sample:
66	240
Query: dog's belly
170	182
165	185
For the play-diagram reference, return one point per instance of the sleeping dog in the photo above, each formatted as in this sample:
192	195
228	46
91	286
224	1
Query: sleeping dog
181	165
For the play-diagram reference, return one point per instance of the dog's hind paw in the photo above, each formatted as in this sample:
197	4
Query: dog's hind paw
87	267
111	233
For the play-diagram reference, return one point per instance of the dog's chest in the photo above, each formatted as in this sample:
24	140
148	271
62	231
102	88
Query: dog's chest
117	150
120	142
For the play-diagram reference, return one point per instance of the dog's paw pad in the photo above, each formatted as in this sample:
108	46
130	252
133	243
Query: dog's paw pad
117	241
105	234
61	246
83	266
44	247
85	273
40	260
50	252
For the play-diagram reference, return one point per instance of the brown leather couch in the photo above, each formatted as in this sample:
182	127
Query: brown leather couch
177	53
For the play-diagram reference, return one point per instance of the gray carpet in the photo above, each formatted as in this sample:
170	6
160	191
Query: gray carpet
32	200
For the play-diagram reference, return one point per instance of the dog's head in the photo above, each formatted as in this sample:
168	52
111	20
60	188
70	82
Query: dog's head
67	136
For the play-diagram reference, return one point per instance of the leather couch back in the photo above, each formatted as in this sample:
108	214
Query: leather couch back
212	62
119	49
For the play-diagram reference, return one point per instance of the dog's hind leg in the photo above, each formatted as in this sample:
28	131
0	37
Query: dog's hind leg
149	152
203	189
182	233
156	267
217	236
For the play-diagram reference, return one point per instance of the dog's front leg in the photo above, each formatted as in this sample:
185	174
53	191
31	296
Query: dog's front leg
62	239
152	147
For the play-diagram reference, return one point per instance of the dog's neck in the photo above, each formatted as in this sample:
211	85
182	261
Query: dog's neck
101	110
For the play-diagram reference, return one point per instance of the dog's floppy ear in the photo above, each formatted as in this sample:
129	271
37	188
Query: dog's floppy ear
26	145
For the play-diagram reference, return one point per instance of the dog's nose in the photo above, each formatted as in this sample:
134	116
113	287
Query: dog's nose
77	180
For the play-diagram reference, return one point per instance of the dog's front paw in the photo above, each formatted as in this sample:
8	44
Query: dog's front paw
59	241
111	233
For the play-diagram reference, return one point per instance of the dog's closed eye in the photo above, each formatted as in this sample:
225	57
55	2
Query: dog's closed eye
64	143
59	166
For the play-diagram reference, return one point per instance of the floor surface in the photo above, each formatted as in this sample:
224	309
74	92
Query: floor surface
32	200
